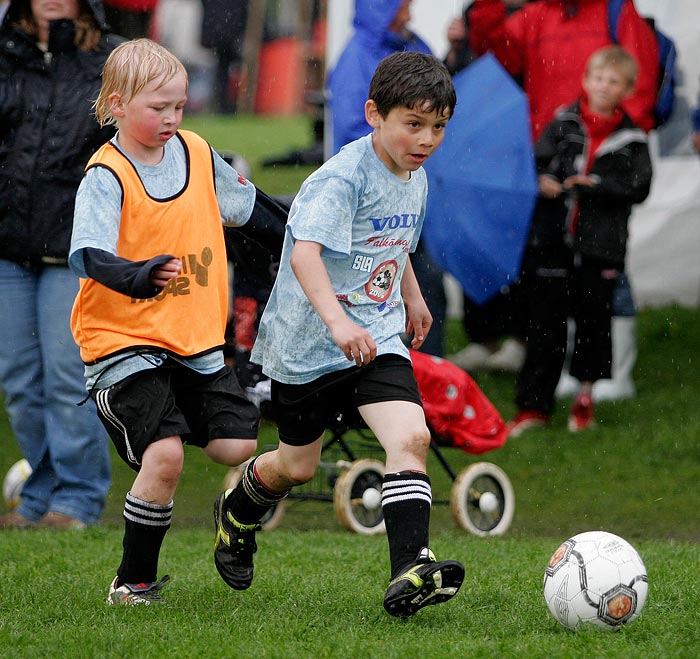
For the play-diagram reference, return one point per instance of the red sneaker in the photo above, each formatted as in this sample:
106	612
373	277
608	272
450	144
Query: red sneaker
525	420
581	415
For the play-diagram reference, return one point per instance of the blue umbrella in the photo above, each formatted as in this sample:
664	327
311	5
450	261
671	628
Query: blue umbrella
482	182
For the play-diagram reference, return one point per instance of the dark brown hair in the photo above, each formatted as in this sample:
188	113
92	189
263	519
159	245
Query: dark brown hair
411	79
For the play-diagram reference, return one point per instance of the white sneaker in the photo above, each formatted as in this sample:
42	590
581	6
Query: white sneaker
129	594
509	358
472	358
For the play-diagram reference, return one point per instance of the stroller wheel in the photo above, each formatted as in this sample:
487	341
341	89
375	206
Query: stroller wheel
273	517
357	497
482	500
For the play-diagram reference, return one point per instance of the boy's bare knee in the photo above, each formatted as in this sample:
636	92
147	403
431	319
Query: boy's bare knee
240	451
166	460
299	473
231	452
418	442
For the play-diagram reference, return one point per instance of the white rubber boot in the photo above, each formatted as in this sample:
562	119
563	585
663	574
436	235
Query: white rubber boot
568	385
624	357
472	358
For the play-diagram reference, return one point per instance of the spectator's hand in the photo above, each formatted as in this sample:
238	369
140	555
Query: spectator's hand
456	32
579	180
549	187
696	141
162	275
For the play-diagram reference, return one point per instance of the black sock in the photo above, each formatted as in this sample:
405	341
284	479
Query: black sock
145	527
406	499
249	502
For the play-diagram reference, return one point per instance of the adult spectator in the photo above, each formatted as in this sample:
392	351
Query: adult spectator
486	324
459	54
380	29
51	57
223	31
547	44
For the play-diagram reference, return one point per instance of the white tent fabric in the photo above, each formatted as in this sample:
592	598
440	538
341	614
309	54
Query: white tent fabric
664	259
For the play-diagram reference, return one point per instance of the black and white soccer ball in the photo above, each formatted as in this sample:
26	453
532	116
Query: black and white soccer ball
595	579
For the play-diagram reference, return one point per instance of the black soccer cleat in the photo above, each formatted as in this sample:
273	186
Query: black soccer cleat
234	546
423	583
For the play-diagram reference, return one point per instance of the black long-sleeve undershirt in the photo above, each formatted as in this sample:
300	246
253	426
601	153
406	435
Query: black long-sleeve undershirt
132	278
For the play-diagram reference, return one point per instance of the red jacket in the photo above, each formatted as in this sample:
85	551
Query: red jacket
133	5
549	46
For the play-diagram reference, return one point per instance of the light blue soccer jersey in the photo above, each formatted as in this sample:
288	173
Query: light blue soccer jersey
368	221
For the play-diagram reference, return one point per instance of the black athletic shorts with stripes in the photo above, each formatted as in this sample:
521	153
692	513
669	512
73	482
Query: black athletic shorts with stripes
303	411
174	400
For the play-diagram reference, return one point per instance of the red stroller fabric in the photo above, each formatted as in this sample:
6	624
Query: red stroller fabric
456	410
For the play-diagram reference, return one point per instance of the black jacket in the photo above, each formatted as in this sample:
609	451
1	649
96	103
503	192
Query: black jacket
47	134
622	166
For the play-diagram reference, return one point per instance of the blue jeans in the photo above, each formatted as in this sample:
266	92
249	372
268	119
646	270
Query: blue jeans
623	300
41	375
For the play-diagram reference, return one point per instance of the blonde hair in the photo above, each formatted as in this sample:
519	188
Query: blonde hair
617	58
129	68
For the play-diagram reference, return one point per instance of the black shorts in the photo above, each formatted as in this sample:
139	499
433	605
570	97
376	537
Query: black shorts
174	401
303	411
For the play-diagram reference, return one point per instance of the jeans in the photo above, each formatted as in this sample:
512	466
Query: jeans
41	375
623	301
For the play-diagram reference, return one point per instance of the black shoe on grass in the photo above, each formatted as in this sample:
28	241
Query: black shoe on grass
234	546
423	583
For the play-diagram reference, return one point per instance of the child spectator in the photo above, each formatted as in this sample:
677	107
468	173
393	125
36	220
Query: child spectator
150	315
593	165
346	292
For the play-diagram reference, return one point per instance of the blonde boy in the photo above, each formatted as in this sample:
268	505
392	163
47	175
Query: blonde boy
150	315
593	165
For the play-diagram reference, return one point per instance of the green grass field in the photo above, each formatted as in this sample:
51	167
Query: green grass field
318	588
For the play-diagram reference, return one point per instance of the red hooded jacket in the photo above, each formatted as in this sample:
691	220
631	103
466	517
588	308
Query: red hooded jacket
548	43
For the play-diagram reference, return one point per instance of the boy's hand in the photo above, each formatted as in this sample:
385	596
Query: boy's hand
356	343
163	274
579	180
549	188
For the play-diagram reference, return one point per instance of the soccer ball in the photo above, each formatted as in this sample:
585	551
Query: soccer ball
14	481
595	578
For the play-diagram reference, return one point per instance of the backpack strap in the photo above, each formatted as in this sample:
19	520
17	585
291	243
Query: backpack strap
614	10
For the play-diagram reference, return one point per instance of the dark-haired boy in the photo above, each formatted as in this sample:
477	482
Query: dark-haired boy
346	292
